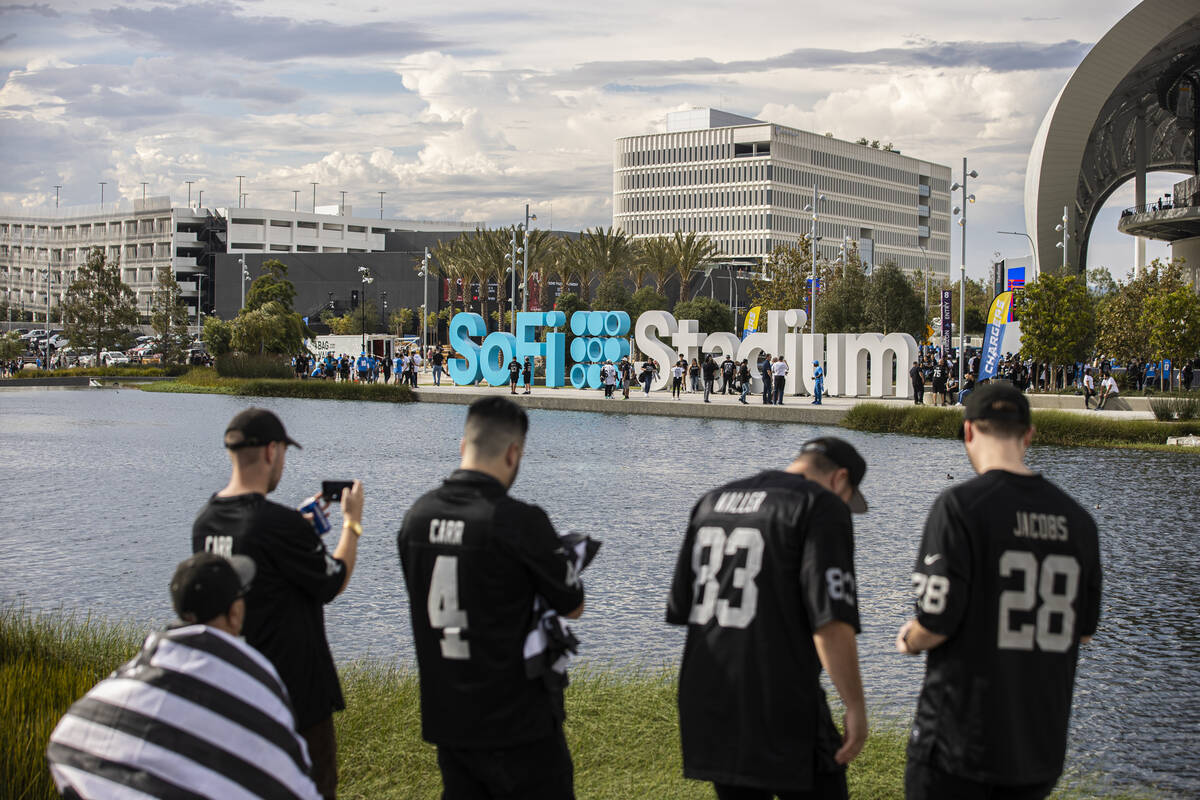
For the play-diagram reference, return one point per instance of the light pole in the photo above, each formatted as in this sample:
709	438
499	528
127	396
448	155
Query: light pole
381	194
199	301
365	275
46	359
200	199
57	187
1032	252
962	275
1062	226
813	239
315	185
925	261
102	183
239	177
144	185
342	207
244	277
512	263
425	304
295	199
189	185
525	273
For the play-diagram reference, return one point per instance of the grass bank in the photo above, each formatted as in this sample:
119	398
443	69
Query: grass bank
104	372
621	726
1053	427
206	381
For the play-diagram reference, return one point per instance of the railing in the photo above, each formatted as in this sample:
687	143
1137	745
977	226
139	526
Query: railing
1150	208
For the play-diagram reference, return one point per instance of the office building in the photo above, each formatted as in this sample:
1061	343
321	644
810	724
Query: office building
744	183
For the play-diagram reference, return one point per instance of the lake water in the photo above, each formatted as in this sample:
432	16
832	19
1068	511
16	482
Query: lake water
102	486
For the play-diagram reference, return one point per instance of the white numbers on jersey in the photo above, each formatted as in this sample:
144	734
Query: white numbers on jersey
1054	603
705	601
931	591
444	612
221	545
840	584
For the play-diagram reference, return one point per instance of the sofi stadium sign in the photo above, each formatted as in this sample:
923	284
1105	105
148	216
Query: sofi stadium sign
864	364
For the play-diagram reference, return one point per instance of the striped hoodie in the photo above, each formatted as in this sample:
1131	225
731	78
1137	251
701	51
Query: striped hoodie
196	714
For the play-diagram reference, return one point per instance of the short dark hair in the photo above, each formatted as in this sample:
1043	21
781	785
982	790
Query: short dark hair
493	423
819	461
1001	428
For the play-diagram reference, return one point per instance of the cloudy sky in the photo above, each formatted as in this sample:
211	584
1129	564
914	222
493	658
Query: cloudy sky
465	111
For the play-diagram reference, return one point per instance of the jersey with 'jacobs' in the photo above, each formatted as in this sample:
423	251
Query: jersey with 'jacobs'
1009	571
766	561
473	559
295	576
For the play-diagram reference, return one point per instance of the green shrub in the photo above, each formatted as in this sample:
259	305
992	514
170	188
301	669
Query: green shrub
131	371
1172	408
254	365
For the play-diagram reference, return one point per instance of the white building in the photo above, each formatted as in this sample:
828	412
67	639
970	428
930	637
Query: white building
148	235
744	183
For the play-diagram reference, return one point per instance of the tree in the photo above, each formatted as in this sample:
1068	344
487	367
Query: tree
891	304
646	299
217	336
979	300
1124	330
400	319
270	328
1101	283
611	294
271	286
169	317
100	306
690	253
569	303
11	346
788	269
841	304
1058	320
658	258
713	315
1174	320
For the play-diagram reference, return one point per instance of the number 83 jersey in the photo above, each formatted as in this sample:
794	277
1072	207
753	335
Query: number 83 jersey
766	561
1009	570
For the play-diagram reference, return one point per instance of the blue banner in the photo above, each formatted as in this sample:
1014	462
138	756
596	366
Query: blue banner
993	335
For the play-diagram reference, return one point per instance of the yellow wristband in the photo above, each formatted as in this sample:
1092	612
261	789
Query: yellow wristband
354	526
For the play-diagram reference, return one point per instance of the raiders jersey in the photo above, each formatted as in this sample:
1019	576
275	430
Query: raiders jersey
1009	570
766	562
473	560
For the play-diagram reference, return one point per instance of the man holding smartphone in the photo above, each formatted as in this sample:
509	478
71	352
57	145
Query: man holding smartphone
297	576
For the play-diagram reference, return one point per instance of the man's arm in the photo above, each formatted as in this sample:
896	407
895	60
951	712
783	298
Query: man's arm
347	546
839	656
914	638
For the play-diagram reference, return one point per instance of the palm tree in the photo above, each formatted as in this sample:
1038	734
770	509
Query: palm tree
543	249
690	252
447	258
599	251
658	258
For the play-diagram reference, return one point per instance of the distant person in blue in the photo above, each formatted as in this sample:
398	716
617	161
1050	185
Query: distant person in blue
818	382
363	367
767	379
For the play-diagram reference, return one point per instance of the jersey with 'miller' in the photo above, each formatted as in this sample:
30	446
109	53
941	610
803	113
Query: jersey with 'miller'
765	562
1009	570
473	560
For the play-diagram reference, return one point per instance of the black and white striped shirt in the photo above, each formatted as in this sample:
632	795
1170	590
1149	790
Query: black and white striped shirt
197	714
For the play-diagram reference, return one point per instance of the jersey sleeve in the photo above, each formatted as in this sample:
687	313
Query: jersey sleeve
1090	609
942	574
544	555
679	601
304	560
827	580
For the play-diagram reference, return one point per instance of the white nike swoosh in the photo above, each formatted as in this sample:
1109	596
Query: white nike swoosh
930	560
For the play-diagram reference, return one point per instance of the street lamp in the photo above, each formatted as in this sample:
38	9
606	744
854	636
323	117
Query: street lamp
1062	226
925	261
367	279
199	302
813	239
962	277
245	277
1032	252
381	194
189	185
240	195
512	265
425	303
57	187
525	274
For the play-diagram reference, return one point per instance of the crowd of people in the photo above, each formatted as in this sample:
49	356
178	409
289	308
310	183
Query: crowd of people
369	367
236	699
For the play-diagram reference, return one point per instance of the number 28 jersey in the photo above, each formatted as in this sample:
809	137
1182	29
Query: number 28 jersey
1009	570
766	562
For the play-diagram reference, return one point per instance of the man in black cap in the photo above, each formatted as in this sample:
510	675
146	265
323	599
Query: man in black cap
765	583
285	616
197	713
1008	586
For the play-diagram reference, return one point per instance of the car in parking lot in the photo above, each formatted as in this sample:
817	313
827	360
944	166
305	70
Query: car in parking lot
112	358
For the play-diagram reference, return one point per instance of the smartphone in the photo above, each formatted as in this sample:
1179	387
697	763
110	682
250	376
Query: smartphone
332	490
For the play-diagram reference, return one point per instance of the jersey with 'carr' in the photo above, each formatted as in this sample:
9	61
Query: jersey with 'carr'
473	559
766	561
1009	570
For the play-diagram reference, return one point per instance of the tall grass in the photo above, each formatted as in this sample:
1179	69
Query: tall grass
1175	408
253	365
621	725
1053	427
131	371
207	381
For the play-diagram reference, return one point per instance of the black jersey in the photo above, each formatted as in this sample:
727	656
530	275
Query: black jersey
1009	570
766	562
473	560
285	608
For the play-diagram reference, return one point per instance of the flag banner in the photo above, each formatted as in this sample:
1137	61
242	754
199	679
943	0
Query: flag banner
1016	278
751	321
993	335
946	329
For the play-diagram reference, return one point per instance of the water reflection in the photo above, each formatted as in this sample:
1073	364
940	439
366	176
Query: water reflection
102	488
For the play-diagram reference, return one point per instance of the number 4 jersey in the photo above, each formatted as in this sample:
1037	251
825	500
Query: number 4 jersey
766	561
1009	570
474	558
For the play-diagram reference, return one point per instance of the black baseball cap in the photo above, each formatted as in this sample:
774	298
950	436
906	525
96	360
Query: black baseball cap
256	427
999	401
206	584
842	453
